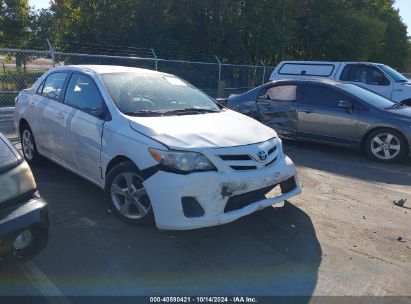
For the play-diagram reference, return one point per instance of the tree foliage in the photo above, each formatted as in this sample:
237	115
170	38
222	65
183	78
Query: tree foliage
243	30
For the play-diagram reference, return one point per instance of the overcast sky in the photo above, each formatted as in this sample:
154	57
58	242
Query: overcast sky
403	5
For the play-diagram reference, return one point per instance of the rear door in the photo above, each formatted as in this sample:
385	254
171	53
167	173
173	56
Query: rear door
45	108
86	114
320	117
277	105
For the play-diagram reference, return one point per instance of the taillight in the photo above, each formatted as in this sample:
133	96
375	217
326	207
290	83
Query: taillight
16	99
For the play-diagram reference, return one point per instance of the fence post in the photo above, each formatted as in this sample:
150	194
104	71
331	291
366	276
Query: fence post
155	59
220	88
262	63
53	58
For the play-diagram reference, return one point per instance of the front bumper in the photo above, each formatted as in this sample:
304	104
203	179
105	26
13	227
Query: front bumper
15	218
212	191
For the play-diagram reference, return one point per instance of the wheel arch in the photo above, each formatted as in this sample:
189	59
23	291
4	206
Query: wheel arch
22	122
115	161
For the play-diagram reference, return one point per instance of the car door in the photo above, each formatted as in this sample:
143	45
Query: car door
277	105
49	124
86	114
320	115
369	77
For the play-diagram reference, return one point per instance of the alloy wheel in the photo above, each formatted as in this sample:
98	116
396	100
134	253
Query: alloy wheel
385	146
129	196
27	144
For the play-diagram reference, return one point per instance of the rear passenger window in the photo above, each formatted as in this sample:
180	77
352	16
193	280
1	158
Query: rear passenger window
322	96
52	87
83	94
280	93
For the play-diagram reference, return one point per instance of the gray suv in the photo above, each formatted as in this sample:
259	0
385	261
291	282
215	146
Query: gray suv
327	111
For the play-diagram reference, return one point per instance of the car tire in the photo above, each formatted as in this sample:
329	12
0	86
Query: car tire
386	145
127	196
28	145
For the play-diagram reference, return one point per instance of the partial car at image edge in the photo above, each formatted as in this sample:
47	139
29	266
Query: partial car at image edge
24	217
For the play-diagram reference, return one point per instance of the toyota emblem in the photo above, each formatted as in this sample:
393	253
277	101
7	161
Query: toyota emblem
262	155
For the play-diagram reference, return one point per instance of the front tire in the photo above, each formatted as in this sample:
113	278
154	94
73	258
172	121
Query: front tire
386	145
28	145
127	196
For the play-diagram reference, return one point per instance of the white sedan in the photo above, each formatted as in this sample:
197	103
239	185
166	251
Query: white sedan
159	147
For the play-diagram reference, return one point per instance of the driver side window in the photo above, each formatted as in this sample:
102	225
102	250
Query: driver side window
83	94
370	75
280	93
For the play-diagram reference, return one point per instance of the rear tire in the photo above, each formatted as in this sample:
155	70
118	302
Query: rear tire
386	145
127	196
28	145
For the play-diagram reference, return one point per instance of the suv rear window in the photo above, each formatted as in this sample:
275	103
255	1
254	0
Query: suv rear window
306	69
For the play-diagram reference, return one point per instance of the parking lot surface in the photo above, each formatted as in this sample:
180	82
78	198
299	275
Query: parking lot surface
339	237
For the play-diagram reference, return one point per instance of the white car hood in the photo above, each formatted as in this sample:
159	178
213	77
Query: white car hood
211	130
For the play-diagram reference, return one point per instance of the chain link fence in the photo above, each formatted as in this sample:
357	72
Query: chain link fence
19	69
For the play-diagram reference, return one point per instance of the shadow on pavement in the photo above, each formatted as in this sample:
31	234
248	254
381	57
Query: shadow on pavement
347	162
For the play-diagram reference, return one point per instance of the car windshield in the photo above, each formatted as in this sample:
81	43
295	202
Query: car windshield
156	94
367	96
393	73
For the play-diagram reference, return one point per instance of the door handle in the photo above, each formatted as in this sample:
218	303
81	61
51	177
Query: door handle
307	111
32	104
59	115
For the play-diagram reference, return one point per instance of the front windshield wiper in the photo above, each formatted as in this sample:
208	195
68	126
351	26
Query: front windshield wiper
187	111
143	113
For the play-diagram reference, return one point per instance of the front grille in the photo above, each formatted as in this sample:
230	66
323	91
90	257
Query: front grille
272	150
271	162
240	201
239	168
235	157
248	159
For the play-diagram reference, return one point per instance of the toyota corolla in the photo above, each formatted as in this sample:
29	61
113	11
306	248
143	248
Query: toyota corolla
160	148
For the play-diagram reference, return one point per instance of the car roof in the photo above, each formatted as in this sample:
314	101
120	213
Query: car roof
329	62
103	69
310	80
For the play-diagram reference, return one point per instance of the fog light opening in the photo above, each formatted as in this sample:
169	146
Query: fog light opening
23	240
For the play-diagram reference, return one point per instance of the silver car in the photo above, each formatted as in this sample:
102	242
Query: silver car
327	111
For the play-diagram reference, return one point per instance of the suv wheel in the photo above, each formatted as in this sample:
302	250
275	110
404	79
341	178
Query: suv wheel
28	145
386	145
127	196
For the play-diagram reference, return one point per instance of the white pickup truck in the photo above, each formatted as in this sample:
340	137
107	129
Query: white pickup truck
375	77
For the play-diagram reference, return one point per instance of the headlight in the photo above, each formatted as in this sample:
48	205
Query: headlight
182	161
16	182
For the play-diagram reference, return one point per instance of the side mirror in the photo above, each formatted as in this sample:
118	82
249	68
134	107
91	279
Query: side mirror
347	105
99	112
